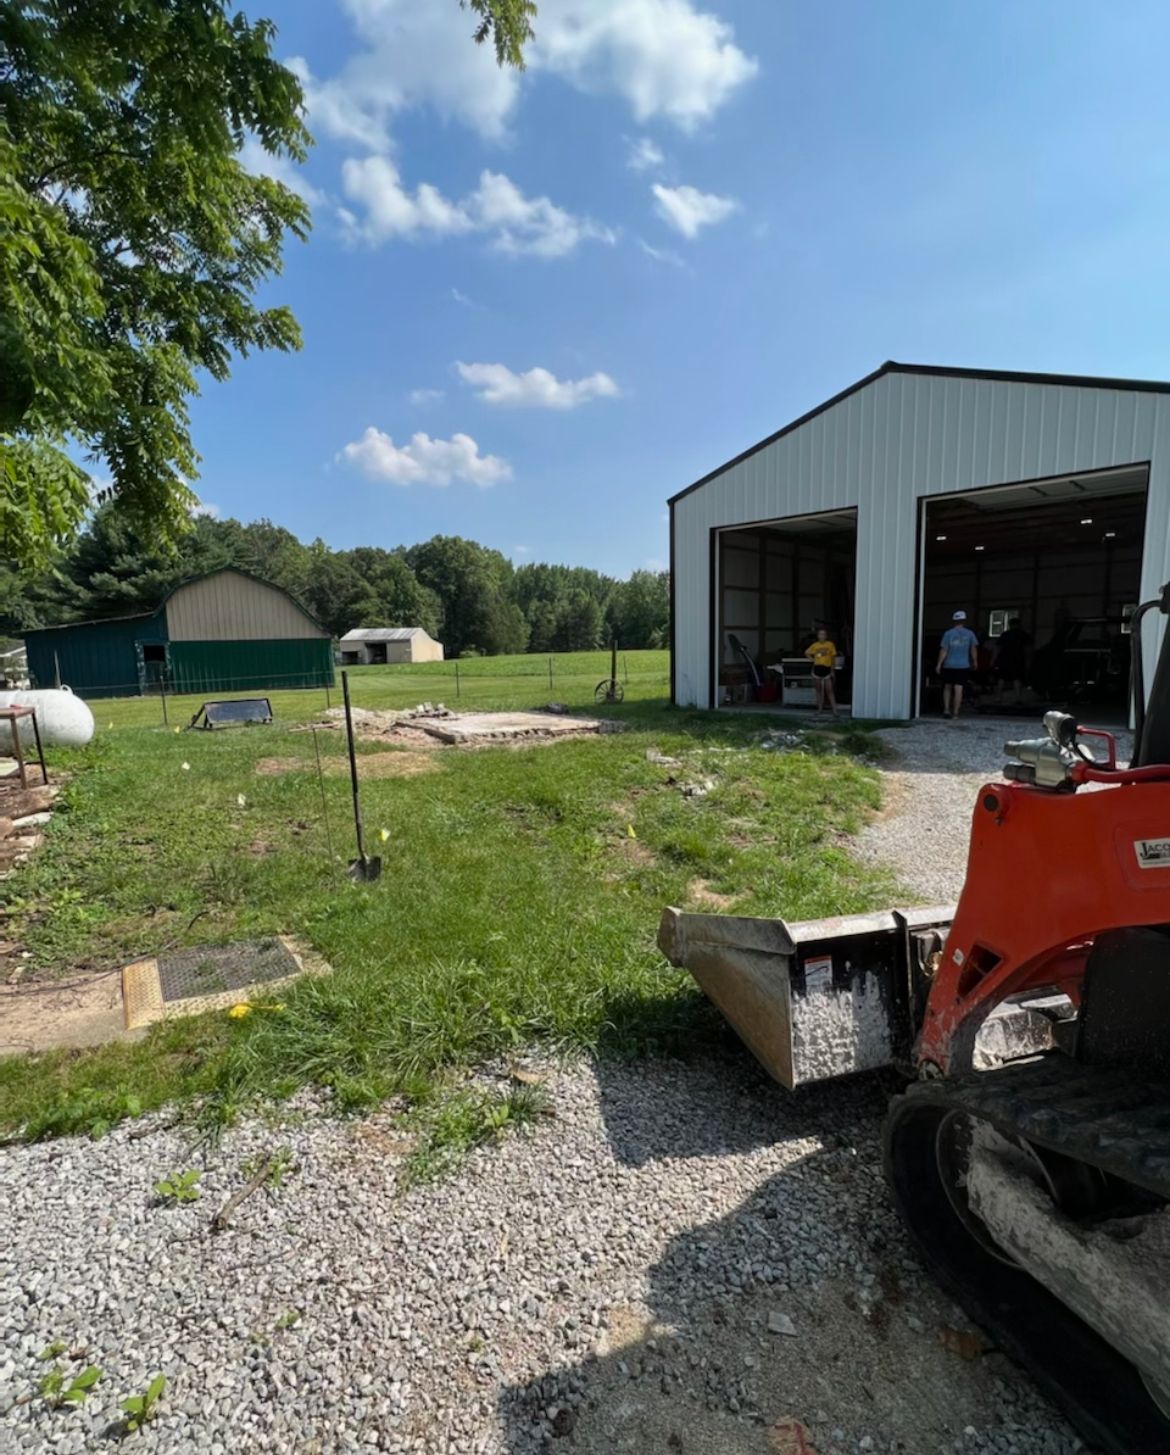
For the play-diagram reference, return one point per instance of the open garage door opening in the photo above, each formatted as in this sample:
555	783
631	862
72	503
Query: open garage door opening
778	582
1047	573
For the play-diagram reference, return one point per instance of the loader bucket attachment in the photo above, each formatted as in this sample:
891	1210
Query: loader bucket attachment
814	1000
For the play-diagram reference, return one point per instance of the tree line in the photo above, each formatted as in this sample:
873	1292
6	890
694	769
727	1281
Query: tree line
469	597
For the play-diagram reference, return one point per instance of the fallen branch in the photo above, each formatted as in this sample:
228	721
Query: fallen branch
220	1221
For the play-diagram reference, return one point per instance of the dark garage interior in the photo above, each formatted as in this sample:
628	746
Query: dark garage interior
1064	556
778	583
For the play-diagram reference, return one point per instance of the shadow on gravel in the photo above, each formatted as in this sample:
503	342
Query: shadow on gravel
729	1106
797	1324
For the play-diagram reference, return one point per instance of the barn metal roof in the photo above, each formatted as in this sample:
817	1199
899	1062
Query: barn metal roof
942	371
384	634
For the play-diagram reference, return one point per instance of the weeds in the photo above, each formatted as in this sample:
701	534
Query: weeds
57	1389
140	1408
456	1124
178	1187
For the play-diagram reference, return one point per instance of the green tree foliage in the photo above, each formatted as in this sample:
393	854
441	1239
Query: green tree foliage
579	623
133	242
507	24
467	596
474	585
132	245
639	609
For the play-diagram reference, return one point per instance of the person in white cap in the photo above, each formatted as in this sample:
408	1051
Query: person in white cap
956	660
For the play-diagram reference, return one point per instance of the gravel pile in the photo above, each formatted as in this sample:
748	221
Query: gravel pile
929	797
681	1258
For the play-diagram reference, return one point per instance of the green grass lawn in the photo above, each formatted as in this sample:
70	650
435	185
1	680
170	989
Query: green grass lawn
518	905
482	683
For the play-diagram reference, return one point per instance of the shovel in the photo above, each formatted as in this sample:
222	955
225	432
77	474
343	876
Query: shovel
363	868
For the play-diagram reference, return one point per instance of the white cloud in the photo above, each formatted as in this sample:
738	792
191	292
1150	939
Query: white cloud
654	563
644	155
529	224
424	461
254	159
665	58
205	508
661	255
521	550
464	300
687	209
515	223
425	396
412	55
535	389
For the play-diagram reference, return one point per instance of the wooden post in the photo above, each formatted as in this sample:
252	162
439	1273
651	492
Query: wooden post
162	692
456	676
550	674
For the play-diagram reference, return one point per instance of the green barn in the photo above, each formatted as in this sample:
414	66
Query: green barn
224	632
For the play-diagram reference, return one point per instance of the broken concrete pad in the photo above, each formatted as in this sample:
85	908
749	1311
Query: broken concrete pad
503	727
436	724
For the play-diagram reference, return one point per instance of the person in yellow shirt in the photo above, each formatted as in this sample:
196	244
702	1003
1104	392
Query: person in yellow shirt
823	654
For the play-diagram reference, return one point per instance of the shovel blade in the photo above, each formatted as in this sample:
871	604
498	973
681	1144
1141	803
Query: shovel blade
365	870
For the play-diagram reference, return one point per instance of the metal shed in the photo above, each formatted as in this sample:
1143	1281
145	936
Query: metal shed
227	631
389	644
916	492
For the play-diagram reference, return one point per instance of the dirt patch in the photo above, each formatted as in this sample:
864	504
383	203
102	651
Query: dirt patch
699	891
370	765
895	797
78	1013
635	851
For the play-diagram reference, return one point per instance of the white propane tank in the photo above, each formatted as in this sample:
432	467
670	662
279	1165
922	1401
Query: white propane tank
64	720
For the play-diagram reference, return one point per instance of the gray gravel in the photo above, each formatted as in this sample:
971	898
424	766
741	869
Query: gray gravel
929	796
624	1276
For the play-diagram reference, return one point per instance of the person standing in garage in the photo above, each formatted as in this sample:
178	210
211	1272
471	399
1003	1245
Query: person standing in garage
823	655
956	660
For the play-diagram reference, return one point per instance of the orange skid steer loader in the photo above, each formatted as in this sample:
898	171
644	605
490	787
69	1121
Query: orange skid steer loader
1031	1158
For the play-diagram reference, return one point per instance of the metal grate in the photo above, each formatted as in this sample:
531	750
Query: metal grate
189	982
215	969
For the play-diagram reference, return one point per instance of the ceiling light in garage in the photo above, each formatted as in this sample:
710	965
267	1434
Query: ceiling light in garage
1109	534
940	538
1088	520
980	548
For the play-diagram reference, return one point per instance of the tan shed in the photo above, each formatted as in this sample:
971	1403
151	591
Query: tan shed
389	644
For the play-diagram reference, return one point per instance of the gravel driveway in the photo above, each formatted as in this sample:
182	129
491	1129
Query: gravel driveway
683	1258
677	1260
929	795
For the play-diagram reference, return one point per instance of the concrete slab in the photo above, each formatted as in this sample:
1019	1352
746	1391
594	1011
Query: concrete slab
505	727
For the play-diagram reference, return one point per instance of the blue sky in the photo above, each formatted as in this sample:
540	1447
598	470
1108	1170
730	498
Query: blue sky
694	219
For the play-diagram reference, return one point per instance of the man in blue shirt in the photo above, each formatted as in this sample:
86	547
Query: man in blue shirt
956	661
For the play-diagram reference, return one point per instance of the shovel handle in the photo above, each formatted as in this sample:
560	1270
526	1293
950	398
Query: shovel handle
353	776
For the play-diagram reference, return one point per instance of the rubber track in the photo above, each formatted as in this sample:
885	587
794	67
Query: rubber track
1110	1119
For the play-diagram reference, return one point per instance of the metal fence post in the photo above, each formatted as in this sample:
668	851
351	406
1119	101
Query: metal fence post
162	692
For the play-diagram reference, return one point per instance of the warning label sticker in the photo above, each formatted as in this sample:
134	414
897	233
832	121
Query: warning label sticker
818	973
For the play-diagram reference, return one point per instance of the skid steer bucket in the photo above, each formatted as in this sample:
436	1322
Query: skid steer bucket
818	999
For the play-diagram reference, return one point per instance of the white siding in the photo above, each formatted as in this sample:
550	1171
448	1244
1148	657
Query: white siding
901	438
232	607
